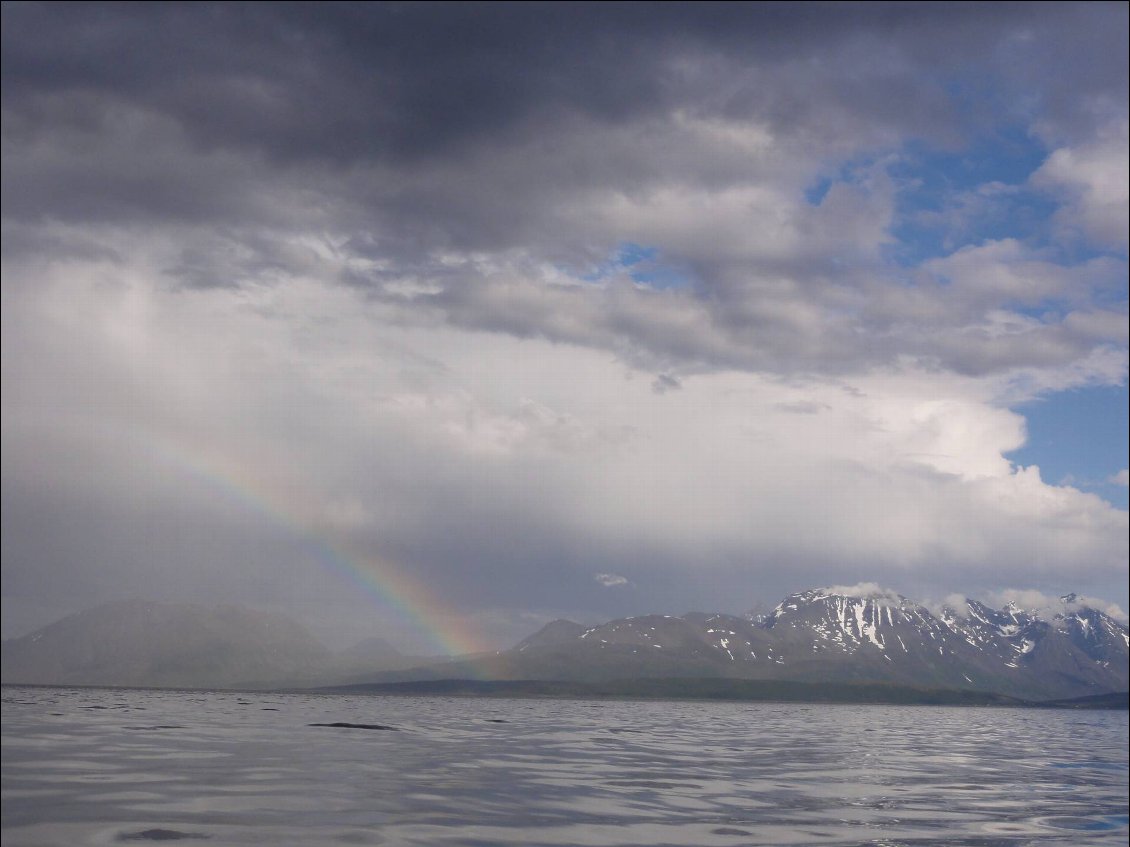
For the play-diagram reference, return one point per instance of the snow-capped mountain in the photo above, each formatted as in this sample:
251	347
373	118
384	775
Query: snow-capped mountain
828	635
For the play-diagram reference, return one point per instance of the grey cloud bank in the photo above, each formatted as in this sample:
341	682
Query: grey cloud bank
355	260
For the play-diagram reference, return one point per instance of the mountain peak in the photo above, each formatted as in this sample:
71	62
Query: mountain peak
861	591
867	593
553	634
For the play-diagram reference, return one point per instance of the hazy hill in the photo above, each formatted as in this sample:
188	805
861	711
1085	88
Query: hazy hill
144	643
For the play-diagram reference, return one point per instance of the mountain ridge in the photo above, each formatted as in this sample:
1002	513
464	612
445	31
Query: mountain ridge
820	636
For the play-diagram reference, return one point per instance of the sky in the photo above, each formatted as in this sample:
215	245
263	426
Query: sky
437	322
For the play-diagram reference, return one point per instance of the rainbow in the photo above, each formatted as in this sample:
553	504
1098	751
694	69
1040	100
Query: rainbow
390	585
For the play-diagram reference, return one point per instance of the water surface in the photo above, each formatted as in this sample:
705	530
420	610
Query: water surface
101	766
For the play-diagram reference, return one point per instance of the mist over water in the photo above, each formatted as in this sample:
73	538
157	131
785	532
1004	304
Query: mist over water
100	766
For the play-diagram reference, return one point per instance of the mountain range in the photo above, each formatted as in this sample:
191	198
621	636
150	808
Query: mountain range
823	636
817	637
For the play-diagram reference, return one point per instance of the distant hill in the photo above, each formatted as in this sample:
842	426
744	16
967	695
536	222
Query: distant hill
143	643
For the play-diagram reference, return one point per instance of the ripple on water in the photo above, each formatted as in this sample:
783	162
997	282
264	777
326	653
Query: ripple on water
1085	823
243	769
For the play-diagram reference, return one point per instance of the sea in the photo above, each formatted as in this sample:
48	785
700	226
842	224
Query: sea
85	766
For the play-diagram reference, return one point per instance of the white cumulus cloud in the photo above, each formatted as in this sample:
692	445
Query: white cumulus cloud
610	580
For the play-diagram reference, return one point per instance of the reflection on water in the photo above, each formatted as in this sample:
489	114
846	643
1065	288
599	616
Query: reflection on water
92	766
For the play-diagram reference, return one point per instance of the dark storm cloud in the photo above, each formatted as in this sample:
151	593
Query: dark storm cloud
445	155
332	86
340	82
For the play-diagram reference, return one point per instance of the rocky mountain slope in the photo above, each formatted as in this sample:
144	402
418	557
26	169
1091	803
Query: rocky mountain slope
824	636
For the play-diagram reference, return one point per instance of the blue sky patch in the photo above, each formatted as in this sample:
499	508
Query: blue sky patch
1078	438
951	199
643	264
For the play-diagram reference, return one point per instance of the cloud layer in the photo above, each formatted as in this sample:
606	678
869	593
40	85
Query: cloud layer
720	302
